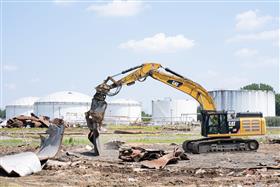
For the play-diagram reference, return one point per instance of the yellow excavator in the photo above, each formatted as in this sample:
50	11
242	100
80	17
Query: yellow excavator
218	127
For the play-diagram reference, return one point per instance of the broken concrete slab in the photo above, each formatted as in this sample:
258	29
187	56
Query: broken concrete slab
20	164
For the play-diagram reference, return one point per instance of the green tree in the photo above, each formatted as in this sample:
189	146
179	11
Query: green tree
2	113
277	101
260	86
145	117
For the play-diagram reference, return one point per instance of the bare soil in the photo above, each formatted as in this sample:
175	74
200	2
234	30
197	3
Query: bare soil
76	166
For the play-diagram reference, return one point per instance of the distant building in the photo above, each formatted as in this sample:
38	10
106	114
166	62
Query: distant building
68	105
123	111
22	106
168	111
245	100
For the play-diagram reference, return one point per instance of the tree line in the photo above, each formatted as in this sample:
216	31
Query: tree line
265	87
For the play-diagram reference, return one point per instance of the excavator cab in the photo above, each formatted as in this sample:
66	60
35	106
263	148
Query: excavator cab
214	122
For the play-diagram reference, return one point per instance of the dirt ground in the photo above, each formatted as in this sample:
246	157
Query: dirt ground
75	166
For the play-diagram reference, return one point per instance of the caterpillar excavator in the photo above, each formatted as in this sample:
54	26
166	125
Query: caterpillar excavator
221	129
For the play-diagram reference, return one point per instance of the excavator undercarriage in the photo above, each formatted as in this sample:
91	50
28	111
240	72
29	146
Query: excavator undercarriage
219	144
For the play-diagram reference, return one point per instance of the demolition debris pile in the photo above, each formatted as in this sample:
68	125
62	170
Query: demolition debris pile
153	159
33	121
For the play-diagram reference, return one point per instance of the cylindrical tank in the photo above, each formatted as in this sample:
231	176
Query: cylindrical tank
68	105
174	111
123	111
245	101
22	106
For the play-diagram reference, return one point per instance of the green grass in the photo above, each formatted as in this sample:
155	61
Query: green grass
17	142
23	129
177	140
271	131
130	138
140	128
160	136
71	141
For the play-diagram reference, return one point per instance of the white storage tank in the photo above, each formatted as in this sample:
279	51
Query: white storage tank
245	100
169	111
22	106
123	111
68	105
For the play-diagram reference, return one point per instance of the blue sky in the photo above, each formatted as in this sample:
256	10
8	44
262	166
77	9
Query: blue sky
59	45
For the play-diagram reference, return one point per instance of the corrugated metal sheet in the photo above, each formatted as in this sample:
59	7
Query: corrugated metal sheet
245	100
20	164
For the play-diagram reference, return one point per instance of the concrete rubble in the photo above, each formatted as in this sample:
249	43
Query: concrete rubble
27	163
153	159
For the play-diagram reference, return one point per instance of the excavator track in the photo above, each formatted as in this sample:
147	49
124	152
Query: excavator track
220	144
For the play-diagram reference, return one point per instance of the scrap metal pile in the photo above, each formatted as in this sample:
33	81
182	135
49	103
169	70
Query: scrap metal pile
33	121
153	159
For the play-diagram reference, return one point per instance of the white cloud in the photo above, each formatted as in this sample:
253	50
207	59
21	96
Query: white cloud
159	43
10	67
118	8
246	52
249	20
64	2
260	36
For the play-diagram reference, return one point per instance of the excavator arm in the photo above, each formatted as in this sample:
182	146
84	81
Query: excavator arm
163	75
95	115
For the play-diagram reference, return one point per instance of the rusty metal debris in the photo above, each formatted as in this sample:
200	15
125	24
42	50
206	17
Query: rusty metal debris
136	154
128	132
26	163
153	159
33	121
274	141
28	121
161	162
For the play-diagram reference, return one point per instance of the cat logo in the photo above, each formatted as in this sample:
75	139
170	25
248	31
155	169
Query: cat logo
175	83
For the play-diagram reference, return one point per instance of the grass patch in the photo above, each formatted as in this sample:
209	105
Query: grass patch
23	129
16	142
71	141
177	140
129	127
271	131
